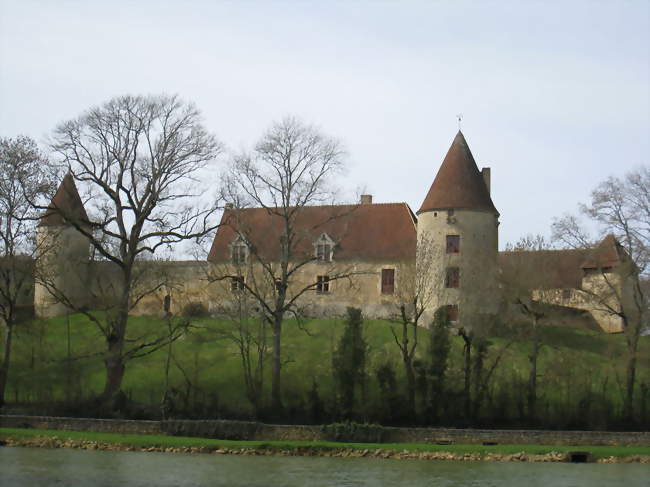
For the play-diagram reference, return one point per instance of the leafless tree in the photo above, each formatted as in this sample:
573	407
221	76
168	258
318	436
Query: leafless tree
522	285
291	167
247	330
619	206
22	179
418	286
141	160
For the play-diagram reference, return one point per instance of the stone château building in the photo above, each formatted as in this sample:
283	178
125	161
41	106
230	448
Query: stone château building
375	256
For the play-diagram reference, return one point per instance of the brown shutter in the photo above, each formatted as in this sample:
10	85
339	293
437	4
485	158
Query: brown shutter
387	281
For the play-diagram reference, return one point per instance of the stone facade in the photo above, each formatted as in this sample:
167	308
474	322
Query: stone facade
367	255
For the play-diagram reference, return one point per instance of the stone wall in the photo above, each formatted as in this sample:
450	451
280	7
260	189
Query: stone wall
248	430
81	424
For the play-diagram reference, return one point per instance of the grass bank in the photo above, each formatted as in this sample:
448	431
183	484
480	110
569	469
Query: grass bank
112	441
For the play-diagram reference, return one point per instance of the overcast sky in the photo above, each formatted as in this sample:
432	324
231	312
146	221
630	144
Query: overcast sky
555	95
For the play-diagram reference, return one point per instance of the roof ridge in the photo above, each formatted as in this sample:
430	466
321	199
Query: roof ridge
364	205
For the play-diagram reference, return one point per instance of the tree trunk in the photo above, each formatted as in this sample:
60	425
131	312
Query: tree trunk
532	376
468	377
632	340
4	368
410	384
114	363
630	379
276	397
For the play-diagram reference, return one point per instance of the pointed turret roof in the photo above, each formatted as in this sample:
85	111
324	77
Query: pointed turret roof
458	185
66	205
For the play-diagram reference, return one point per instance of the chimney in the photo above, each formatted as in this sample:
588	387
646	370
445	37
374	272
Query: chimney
366	199
229	206
485	172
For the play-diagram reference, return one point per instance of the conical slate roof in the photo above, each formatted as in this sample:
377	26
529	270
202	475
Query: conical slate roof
66	205
458	185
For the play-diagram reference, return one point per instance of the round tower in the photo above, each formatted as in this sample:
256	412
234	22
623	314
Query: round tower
458	239
63	254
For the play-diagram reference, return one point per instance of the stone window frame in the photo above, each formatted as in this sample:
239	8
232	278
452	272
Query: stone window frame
386	287
324	248
237	284
452	277
452	243
239	250
323	284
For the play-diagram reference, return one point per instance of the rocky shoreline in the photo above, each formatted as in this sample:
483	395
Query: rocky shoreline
310	451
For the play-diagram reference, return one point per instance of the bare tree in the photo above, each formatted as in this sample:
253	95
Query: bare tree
141	161
620	207
290	169
247	330
418	286
22	179
523	270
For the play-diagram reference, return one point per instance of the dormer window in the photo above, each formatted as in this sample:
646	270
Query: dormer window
239	251
324	247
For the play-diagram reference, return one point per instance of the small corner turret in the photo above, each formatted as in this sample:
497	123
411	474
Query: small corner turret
64	253
66	205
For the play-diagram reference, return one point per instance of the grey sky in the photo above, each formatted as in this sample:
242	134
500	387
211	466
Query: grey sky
555	95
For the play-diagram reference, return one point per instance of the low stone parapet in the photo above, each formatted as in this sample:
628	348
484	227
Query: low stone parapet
251	430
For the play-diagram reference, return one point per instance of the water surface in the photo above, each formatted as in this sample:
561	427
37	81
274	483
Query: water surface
44	467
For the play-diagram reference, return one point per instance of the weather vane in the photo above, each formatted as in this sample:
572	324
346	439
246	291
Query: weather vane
459	117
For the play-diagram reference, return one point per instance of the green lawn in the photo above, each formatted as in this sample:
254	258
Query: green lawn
61	358
144	441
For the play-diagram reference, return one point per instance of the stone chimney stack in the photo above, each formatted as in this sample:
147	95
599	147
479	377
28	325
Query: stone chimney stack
366	199
486	173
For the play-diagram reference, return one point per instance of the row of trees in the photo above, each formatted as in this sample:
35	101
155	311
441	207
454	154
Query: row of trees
141	161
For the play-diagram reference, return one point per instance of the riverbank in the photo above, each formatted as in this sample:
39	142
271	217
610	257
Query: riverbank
171	444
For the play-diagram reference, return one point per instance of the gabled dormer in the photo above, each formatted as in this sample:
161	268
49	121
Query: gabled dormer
239	250
324	248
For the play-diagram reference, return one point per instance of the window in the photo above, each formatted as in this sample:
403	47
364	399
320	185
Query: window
239	251
387	281
452	278
278	284
323	248
452	312
322	284
237	283
324	252
453	244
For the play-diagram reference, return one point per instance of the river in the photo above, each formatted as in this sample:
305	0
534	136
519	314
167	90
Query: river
81	468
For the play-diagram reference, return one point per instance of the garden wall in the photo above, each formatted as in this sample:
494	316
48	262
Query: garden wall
248	430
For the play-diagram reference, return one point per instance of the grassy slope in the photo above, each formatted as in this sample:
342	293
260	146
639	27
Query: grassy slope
573	360
143	441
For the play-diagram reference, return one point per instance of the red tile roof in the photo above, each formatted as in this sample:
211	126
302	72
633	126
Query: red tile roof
65	205
544	269
371	232
458	184
555	269
609	253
